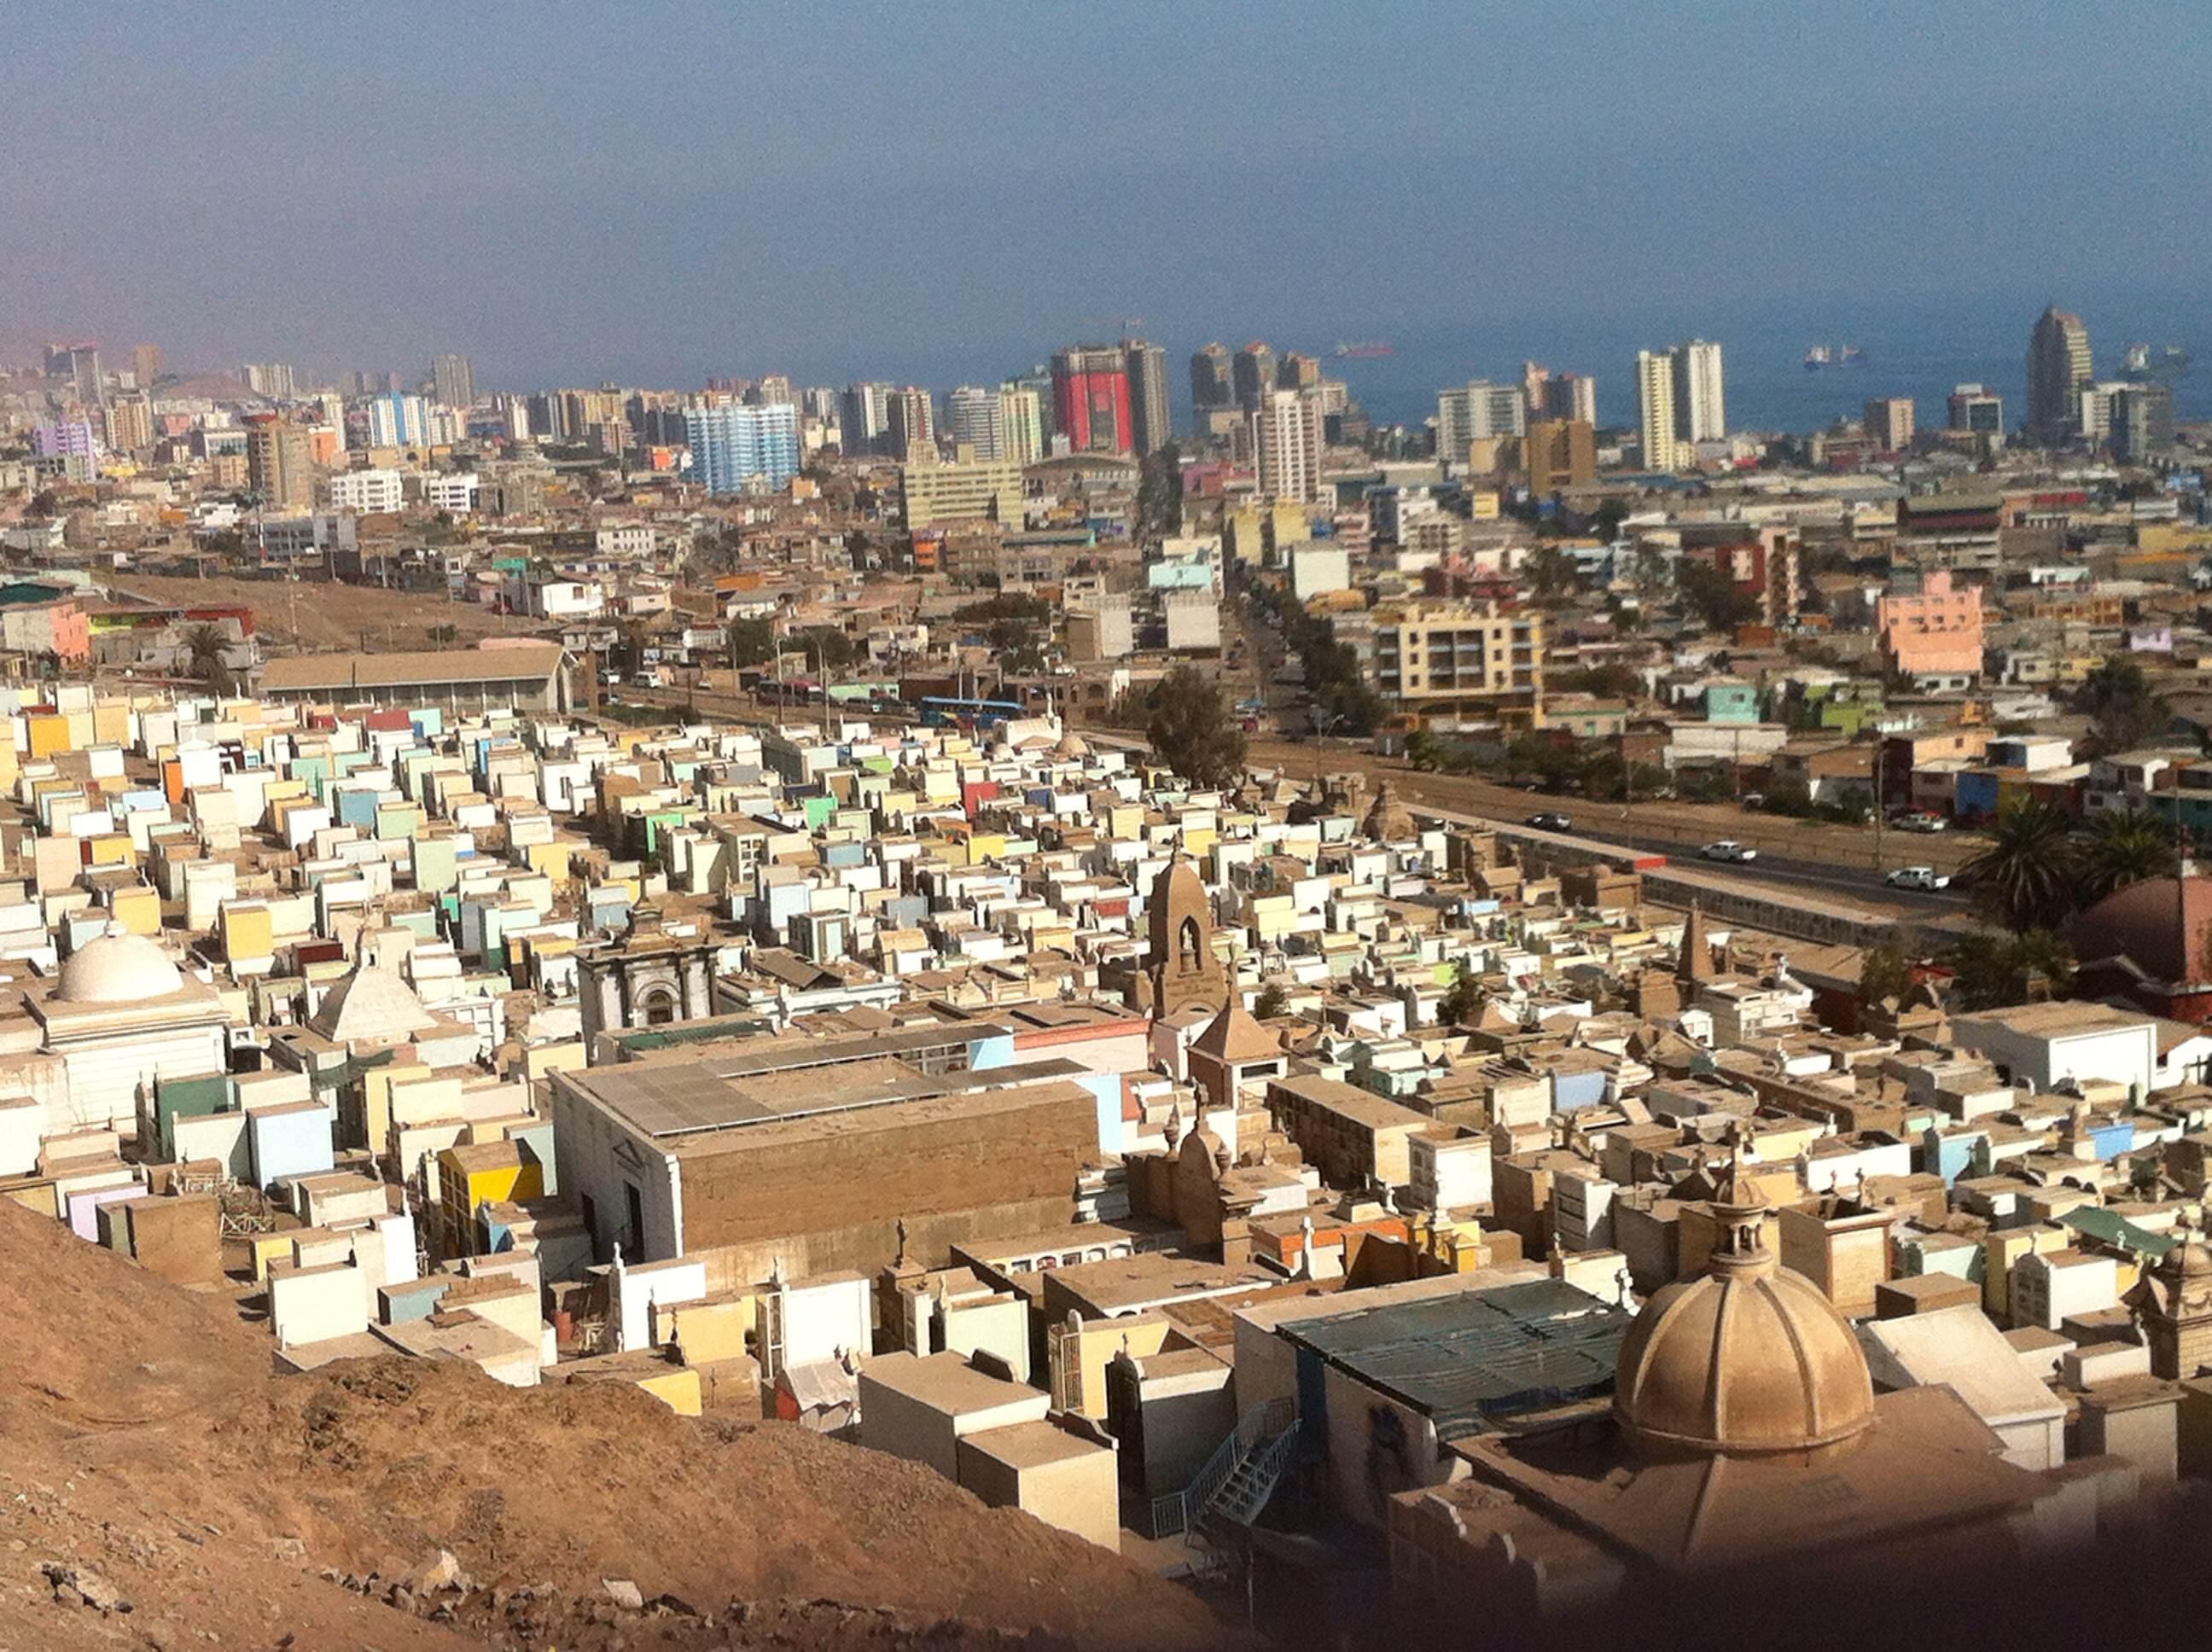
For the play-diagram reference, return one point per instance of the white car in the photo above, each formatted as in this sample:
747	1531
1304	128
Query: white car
1919	877
1729	849
1919	822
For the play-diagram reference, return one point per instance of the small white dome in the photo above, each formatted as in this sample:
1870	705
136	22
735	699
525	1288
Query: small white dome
118	967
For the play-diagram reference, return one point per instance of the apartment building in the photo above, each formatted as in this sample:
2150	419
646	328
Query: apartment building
1447	658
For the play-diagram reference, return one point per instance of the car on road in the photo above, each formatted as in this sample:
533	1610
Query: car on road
1919	877
1550	820
1917	820
1729	849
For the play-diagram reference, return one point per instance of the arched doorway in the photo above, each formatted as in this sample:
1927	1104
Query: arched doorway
657	1005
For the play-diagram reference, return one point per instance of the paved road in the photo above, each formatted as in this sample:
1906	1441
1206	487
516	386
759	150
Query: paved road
1821	851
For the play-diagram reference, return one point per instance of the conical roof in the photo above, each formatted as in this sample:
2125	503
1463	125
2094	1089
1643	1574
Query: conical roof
1233	1035
372	1005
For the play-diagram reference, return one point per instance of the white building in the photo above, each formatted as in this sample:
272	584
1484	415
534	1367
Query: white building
623	539
365	491
1475	412
2046	1045
453	490
1700	412
1286	433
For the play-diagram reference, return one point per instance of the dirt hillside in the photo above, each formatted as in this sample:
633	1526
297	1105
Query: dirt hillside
153	1459
317	615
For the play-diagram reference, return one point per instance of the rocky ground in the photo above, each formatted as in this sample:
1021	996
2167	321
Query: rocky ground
160	1487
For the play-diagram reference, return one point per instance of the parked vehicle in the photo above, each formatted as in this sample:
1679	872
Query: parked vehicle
1919	821
1550	820
1919	877
1729	849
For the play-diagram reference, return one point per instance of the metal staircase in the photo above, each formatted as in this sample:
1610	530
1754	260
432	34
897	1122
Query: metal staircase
1234	1483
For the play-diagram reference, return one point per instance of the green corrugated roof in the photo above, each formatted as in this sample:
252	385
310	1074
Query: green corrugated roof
2101	1223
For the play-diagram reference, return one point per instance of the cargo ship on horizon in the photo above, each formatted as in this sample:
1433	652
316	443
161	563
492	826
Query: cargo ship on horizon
1842	356
1362	349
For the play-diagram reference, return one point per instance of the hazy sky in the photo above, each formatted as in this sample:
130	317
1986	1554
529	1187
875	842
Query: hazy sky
655	193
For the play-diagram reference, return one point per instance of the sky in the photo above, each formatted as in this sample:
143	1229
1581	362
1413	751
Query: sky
651	194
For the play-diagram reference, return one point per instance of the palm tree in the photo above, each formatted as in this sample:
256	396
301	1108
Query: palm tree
2026	876
205	648
2123	848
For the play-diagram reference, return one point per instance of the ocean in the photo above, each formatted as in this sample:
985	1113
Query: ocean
1919	350
1921	356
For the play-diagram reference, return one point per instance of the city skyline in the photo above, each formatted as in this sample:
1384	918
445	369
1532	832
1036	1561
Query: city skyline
755	259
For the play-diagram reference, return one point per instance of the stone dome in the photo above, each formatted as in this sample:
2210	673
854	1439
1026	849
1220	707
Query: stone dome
2159	924
118	967
1746	1358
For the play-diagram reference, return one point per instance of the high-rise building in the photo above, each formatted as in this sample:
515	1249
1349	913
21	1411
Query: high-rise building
913	432
2057	367
1296	372
1212	384
130	422
976	418
1978	410
863	417
1091	398
1021	418
1252	374
773	390
1475	412
1655	409
1889	422
146	365
1561	454
2093	410
1701	411
742	449
1150	424
514	416
79	365
279	466
2142	421
453	381
399	420
1286	438
270	379
1569	396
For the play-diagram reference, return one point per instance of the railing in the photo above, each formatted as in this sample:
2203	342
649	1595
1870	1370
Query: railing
1176	1512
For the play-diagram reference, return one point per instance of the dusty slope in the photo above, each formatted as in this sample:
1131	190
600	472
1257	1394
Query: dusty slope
146	1439
318	615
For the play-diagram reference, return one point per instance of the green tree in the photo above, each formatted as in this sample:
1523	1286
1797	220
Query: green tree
43	503
2026	878
2123	710
1551	574
1273	1001
205	648
752	643
1192	730
1463	1000
1885	973
1991	970
1709	593
2120	848
827	648
1423	749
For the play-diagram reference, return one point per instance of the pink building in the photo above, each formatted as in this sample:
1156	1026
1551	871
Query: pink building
1935	632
